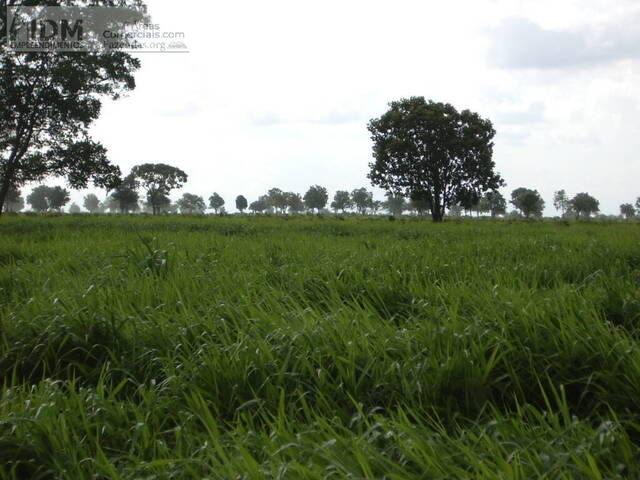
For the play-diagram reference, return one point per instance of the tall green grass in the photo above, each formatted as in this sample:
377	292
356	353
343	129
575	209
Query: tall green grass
140	347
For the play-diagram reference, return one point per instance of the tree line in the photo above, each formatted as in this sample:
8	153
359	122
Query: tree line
157	180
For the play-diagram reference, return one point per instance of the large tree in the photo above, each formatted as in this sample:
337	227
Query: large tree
429	147
316	197
49	101
158	179
528	201
584	204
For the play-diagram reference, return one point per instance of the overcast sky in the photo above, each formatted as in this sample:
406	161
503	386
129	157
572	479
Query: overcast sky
279	93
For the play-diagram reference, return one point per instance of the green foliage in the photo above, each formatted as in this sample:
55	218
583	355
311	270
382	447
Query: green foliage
396	204
49	102
316	197
14	201
191	204
125	195
362	199
44	198
561	201
429	147
528	201
294	201
494	203
157	179
341	201
91	203
584	204
305	347
627	210
241	203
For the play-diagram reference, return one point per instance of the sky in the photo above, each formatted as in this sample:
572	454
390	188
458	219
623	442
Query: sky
279	93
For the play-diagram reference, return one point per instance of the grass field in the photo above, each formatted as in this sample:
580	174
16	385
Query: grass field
252	348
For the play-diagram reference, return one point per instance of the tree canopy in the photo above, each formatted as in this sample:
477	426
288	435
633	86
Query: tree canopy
157	179
316	197
429	147
627	210
584	204
49	102
191	204
241	203
362	200
216	202
528	201
341	201
44	198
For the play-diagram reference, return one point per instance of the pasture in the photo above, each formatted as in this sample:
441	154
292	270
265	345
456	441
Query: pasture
318	348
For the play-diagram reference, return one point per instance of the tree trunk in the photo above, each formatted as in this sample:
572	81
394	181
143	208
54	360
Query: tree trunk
437	211
4	189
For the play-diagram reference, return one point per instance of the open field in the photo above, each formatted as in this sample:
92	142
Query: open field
233	348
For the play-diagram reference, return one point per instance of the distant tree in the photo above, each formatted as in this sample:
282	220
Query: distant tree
241	203
162	204
561	201
295	203
455	211
277	199
496	203
126	195
430	147
191	204
74	209
420	202
395	204
362	199
341	201
528	201
91	203
627	210
584	204
316	197
216	202
483	206
638	204
39	199
376	206
14	201
109	205
58	197
258	206
158	179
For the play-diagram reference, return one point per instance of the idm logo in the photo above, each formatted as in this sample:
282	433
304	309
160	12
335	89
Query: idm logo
63	30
